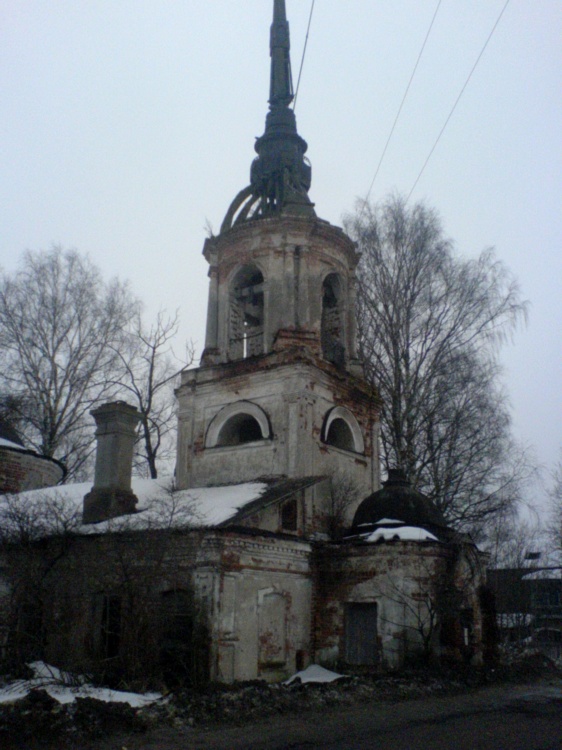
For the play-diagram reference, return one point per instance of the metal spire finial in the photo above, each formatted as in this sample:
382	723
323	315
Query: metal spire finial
281	85
280	174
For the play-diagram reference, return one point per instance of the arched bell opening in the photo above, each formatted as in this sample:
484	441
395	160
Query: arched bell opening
341	429
239	429
332	325
340	435
236	424
246	319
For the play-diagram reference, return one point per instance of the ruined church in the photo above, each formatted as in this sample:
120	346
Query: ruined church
291	553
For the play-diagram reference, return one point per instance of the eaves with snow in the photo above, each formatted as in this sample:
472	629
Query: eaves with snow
392	530
160	506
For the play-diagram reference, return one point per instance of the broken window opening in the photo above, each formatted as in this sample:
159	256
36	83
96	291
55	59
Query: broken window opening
332	329
110	630
239	429
289	516
340	435
184	650
247	314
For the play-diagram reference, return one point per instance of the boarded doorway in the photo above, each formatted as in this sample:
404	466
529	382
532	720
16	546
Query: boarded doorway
361	643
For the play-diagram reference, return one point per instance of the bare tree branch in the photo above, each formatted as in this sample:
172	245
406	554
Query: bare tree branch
430	326
58	319
149	369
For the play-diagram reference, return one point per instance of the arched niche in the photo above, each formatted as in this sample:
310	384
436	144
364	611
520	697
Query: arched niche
236	424
246	313
341	429
332	334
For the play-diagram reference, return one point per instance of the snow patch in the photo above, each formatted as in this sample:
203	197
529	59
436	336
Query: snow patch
402	533
65	687
314	673
9	444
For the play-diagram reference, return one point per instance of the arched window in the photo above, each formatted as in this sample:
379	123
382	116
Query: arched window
341	429
246	314
241	428
332	328
340	435
238	423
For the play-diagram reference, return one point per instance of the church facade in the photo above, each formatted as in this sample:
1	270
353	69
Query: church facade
284	562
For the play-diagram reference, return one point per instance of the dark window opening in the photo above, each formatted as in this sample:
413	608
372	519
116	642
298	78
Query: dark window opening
184	648
26	640
110	631
247	314
548	635
241	428
289	515
361	638
340	435
332	338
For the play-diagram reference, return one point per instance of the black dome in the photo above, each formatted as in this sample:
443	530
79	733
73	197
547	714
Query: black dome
400	501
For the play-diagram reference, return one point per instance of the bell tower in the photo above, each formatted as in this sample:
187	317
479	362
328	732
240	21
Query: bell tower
280	391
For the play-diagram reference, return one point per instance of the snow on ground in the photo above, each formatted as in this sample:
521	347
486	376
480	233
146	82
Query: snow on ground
159	506
314	673
65	688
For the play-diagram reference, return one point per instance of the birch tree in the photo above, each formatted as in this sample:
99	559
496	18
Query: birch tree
430	327
58	319
148	372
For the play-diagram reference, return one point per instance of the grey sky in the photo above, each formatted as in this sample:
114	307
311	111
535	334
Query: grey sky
125	125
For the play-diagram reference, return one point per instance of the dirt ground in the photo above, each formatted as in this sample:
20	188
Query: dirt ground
524	717
515	706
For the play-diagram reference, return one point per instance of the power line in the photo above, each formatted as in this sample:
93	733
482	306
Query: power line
402	102
303	53
457	100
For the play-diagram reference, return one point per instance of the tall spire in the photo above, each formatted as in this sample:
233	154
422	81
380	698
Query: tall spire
281	85
280	174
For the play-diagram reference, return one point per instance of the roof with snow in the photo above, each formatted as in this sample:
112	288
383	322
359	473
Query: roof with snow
10	439
160	506
53	510
401	533
400	501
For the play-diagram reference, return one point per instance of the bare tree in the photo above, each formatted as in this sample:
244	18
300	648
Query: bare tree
26	522
430	325
554	529
512	542
123	571
344	493
58	319
149	369
432	602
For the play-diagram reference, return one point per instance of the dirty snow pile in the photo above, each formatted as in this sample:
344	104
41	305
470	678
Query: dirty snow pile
65	688
314	673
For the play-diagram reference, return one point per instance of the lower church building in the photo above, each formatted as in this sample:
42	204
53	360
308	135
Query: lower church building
274	545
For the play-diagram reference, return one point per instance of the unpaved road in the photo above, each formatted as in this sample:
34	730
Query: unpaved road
527	717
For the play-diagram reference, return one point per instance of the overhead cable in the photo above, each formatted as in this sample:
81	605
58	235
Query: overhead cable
457	100
402	102
303	53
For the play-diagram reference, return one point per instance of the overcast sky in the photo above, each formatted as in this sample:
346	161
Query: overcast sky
128	124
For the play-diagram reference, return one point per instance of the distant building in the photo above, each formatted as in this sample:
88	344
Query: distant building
23	469
529	607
